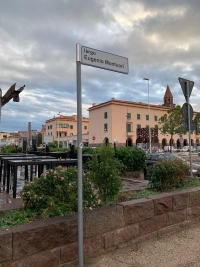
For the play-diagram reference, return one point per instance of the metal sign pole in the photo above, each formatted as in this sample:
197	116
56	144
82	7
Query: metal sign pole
189	127
79	137
0	103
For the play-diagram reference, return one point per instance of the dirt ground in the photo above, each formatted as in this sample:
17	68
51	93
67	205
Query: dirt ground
181	249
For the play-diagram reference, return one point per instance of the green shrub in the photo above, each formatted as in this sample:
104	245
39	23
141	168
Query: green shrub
57	191
132	158
105	172
11	149
167	174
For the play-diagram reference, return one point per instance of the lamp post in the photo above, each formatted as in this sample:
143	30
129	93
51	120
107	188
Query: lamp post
146	79
58	129
127	119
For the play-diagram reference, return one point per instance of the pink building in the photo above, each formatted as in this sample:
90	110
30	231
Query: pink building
118	121
64	129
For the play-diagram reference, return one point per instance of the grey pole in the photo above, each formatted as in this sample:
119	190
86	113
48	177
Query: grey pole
79	137
0	103
189	127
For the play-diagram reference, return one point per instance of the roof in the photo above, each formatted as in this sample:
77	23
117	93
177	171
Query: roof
168	93
127	103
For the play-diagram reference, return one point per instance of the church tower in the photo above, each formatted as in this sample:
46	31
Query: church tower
168	98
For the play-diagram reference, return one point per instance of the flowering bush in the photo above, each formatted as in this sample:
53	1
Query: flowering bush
167	174
57	191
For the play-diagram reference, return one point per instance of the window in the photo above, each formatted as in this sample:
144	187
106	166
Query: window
147	126
147	117
155	118
105	127
138	126
128	116
105	115
128	127
71	134
62	125
71	127
65	134
138	116
85	127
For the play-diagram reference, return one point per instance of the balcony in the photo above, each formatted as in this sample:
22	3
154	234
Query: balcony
130	133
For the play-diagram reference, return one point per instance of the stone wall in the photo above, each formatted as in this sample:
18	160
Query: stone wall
53	242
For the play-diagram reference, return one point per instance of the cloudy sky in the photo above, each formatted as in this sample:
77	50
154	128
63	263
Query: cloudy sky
38	49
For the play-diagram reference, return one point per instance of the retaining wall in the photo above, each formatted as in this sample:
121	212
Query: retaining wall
53	242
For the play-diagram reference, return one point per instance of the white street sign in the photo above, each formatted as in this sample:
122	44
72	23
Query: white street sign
103	60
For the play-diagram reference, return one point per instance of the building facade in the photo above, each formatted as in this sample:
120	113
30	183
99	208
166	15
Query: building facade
117	121
64	129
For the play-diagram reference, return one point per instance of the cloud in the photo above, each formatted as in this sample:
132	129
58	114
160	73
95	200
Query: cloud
38	49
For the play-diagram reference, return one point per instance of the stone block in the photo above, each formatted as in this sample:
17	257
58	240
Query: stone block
47	234
5	245
175	217
103	220
194	197
180	201
152	224
137	210
69	253
193	212
162	203
46	258
94	246
122	235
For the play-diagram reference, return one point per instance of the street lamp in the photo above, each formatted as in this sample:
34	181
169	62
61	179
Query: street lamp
146	79
127	119
58	129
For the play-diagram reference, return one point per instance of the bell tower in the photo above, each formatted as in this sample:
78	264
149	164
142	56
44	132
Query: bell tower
168	98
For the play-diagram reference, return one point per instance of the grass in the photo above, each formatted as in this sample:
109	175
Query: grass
22	216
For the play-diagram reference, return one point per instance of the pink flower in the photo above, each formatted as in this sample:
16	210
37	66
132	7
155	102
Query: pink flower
62	178
55	176
55	172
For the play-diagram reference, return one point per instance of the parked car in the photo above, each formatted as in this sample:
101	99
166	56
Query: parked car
155	156
169	148
186	149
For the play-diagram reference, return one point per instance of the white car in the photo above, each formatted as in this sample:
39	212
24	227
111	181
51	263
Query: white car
187	149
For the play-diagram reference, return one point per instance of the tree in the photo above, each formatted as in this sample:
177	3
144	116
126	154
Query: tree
170	123
197	120
39	139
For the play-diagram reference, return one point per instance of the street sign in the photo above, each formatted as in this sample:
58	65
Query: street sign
93	137
183	83
184	125
103	60
185	111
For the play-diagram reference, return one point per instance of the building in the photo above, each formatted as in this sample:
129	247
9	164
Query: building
117	121
64	129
